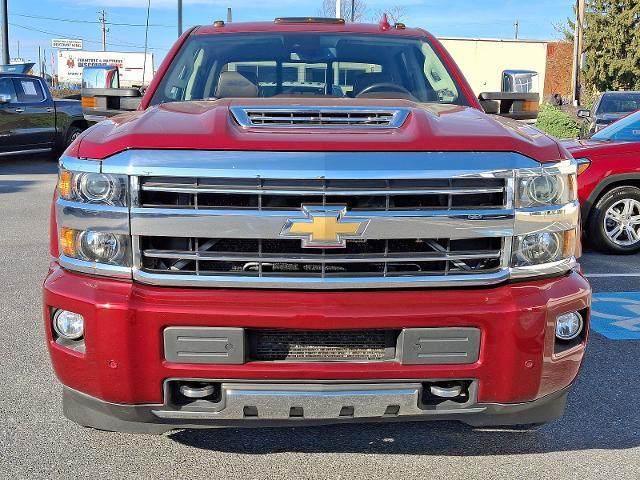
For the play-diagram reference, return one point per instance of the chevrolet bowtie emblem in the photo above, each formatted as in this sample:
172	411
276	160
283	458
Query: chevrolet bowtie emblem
325	226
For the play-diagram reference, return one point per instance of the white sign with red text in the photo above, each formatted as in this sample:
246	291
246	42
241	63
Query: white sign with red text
131	66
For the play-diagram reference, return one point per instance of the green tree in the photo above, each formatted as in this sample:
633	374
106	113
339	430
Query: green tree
612	44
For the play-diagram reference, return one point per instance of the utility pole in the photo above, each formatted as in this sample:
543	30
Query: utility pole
40	62
4	13
353	11
578	47
338	9
517	26
229	15
179	18
103	27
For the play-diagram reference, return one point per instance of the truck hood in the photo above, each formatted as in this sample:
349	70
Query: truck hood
593	148
209	125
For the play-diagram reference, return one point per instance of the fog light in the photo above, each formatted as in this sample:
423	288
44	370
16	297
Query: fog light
569	325
68	325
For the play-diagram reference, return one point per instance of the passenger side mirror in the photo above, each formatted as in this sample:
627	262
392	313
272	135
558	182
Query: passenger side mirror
519	106
584	113
4	98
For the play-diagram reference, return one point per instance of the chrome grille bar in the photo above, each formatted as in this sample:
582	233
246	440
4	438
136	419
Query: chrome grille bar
225	257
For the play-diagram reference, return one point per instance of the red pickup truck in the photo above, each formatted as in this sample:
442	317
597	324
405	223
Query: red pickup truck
313	222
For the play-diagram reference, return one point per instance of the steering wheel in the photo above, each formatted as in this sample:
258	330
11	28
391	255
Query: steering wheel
385	86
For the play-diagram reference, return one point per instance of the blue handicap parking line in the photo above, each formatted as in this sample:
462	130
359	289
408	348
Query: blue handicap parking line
616	315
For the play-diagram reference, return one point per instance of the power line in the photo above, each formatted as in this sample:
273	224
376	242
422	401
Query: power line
71	20
99	42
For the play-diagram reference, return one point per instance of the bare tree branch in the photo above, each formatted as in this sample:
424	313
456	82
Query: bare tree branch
328	9
395	14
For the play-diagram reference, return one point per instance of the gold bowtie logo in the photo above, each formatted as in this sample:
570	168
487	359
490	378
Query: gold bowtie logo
325	226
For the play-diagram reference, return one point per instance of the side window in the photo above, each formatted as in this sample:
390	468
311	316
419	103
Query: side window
29	91
7	88
437	75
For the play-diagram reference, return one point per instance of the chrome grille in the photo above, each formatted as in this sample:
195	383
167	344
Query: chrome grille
314	117
279	257
358	195
322	345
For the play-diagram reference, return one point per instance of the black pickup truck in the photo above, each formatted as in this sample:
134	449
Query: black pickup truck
31	121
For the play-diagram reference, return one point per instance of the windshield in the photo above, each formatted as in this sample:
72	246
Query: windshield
307	65
626	129
619	103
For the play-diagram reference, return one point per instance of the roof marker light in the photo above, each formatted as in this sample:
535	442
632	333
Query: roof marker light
384	23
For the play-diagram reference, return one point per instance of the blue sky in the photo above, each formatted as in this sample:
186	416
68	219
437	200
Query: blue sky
457	18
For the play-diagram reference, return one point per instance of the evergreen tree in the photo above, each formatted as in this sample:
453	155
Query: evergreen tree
612	44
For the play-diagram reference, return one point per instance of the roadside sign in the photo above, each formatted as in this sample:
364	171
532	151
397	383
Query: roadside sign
131	66
616	315
67	43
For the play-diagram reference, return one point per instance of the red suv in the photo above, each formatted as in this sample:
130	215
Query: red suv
609	185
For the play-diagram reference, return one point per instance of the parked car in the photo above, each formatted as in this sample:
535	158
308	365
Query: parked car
609	185
610	107
251	248
31	121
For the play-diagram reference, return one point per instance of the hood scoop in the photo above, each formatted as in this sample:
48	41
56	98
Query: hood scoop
319	117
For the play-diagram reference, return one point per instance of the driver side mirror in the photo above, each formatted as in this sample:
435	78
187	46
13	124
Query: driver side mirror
4	98
584	113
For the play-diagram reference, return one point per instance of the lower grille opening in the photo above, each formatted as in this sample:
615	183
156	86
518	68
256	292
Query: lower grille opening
322	345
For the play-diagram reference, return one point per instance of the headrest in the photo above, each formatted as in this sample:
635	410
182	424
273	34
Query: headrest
234	84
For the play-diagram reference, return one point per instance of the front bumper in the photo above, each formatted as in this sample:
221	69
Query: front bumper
123	365
315	404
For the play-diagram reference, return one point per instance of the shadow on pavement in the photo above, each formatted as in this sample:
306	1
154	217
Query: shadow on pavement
13	186
28	165
602	414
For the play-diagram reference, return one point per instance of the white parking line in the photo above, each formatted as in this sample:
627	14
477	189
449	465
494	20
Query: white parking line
605	275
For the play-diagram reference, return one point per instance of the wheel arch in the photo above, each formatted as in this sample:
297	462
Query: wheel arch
606	185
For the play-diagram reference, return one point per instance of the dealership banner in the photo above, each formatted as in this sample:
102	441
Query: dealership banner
67	43
130	65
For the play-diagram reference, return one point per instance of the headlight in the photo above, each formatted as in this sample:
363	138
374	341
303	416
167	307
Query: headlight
91	187
99	247
545	190
543	248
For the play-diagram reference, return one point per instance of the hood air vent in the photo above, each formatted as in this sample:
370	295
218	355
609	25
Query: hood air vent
323	117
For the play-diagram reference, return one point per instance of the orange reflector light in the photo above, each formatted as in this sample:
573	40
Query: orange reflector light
530	106
64	184
583	165
570	246
89	102
68	242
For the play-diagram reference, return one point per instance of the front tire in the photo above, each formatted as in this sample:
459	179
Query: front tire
72	134
614	224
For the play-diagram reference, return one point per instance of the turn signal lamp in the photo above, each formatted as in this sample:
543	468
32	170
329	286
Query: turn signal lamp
530	106
89	102
65	184
68	242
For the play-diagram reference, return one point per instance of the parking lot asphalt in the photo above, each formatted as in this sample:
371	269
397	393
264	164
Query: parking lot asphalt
598	437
